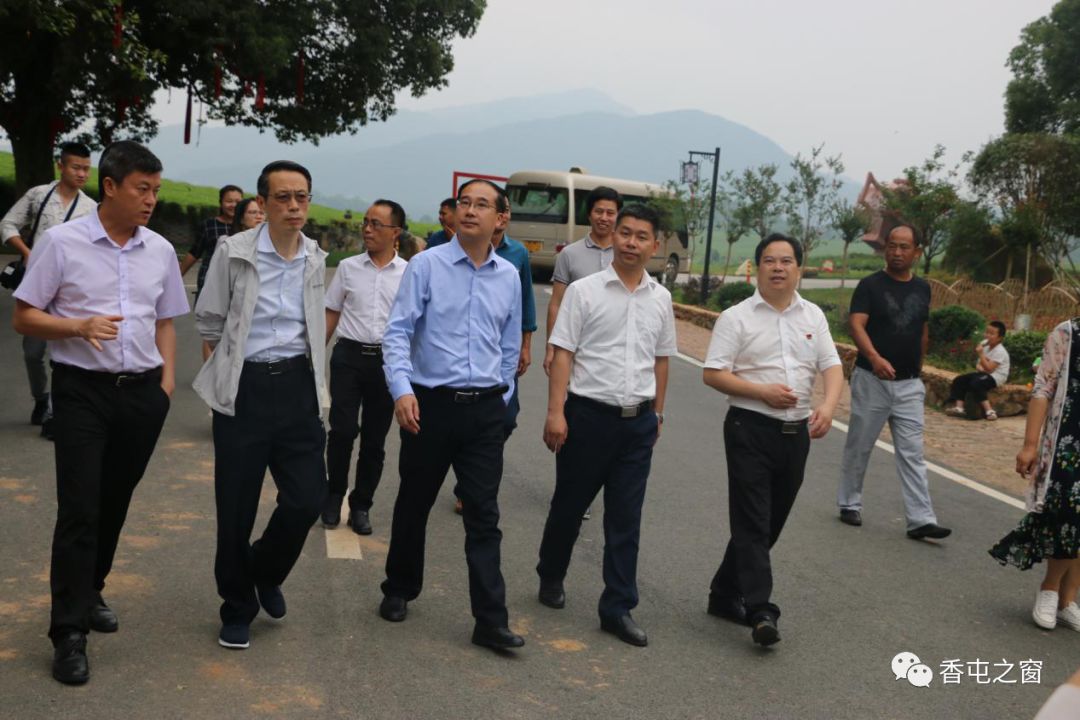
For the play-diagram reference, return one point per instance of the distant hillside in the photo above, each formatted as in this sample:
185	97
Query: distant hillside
411	157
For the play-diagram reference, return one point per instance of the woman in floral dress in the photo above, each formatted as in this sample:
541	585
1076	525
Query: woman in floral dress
1050	460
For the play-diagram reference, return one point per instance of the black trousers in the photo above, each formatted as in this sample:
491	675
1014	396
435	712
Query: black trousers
976	383
470	438
765	471
105	435
276	426
605	451
357	390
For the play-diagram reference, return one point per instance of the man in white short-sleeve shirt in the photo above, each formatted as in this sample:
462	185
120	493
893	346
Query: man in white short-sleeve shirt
612	340
765	354
358	304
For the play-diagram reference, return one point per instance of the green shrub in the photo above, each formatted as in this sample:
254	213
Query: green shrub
952	325
1023	346
730	294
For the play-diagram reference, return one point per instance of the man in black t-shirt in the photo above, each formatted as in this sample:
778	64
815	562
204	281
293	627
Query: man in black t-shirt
890	311
210	232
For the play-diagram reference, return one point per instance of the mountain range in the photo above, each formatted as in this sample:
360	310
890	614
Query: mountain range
411	157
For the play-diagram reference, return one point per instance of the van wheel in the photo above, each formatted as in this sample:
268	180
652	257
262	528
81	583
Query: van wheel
671	271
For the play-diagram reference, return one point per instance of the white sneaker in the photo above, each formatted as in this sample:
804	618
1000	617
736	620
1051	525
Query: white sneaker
1045	612
1069	616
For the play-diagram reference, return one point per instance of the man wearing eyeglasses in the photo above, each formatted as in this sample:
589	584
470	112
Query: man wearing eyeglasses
450	353
764	355
357	306
262	311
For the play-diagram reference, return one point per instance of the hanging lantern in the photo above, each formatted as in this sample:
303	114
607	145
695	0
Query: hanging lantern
187	119
260	93
118	24
300	78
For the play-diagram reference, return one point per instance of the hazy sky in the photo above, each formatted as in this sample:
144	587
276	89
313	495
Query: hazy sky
880	82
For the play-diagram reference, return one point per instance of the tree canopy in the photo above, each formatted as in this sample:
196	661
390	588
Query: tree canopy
1044	94
89	69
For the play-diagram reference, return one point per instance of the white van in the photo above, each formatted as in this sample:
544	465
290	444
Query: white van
548	213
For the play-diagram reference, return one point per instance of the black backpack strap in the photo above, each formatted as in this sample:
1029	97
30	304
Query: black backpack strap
41	209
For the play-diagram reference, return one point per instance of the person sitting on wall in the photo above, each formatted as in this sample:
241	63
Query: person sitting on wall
991	371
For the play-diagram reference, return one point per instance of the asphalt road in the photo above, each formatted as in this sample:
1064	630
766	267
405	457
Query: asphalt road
851	598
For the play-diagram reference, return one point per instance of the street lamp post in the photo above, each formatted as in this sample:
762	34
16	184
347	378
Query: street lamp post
690	169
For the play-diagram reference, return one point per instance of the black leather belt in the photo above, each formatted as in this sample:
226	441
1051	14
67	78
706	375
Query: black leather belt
278	367
117	379
631	411
785	427
466	395
366	349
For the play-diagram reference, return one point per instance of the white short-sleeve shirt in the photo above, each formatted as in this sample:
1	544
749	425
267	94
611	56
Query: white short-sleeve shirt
999	355
762	345
616	336
364	293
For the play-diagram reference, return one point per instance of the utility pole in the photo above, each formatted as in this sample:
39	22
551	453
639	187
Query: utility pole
690	170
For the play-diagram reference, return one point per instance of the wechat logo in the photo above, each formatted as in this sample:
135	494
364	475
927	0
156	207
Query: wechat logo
906	665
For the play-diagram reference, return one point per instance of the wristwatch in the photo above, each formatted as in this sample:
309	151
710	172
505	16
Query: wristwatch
660	417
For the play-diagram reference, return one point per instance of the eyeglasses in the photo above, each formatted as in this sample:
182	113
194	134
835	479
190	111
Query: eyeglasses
478	206
375	225
283	198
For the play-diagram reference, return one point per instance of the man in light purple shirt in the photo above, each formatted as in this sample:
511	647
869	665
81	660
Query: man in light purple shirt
103	290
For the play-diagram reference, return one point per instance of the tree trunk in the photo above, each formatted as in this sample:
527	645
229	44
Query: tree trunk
727	262
33	160
1009	266
843	261
926	265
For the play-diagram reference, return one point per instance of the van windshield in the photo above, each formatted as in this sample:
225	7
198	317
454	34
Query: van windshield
538	204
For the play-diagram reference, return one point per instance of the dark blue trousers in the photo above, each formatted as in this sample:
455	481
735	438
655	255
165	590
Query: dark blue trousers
605	451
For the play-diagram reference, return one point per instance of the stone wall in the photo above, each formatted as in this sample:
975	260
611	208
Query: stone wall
1006	400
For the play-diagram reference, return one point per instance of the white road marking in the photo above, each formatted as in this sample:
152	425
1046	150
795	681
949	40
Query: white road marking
943	472
341	542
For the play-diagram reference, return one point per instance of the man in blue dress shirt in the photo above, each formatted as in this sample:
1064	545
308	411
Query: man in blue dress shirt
517	255
451	368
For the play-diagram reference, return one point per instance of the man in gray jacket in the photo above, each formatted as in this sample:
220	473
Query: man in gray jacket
261	310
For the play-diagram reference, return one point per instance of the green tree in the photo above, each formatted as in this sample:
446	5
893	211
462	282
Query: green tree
976	247
1033	180
809	194
925	201
761	195
1044	94
89	68
735	215
850	222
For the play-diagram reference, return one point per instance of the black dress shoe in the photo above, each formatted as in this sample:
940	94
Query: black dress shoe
47	429
625	629
70	665
393	608
728	607
765	632
851	517
360	522
41	410
496	638
102	618
929	530
552	594
331	511
272	600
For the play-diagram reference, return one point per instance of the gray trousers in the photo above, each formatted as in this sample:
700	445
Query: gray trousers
873	401
34	356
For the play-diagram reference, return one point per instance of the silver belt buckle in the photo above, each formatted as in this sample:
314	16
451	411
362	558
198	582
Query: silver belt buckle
629	412
789	428
465	398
